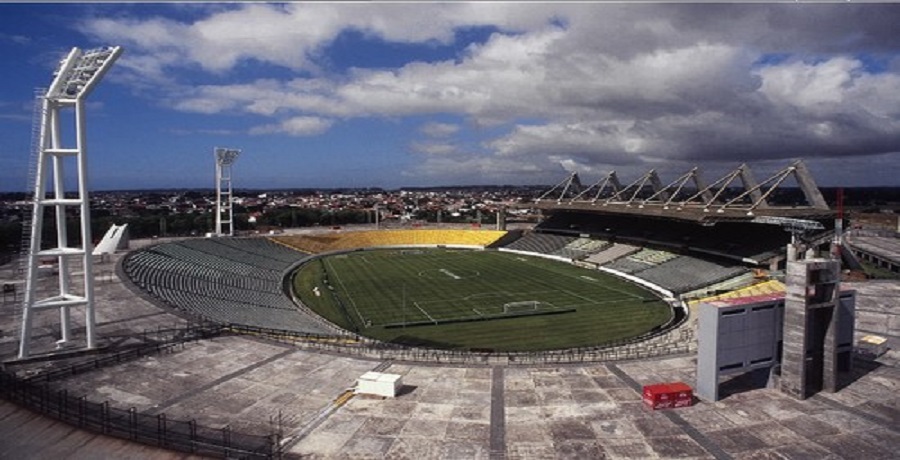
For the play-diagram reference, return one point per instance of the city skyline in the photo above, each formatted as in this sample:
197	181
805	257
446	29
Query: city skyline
393	95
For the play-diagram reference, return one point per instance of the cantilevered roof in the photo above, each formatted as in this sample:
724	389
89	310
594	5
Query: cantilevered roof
689	213
736	196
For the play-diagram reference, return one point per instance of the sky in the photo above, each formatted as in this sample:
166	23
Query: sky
398	94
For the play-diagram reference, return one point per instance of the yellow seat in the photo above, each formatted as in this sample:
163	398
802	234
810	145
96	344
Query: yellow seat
315	244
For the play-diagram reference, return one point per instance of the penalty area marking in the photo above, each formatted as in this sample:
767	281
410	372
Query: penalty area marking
424	312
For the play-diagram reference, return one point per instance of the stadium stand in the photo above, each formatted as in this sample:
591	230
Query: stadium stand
685	273
613	252
770	287
676	273
315	244
765	288
736	240
541	243
228	281
641	260
582	248
881	250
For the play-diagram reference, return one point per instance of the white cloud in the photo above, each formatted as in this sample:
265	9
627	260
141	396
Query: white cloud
613	143
290	35
497	81
15	38
296	126
434	129
831	87
191	132
473	169
810	86
434	148
586	85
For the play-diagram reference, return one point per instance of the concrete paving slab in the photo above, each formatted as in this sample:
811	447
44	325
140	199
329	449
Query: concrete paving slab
849	445
656	426
452	449
367	446
476	433
467	412
564	430
810	427
677	447
578	449
381	426
627	448
736	440
527	432
530	450
773	434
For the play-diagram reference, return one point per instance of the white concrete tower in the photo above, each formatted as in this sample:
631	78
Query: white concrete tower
77	75
224	159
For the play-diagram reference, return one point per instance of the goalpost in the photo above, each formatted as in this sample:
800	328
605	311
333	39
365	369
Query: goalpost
521	306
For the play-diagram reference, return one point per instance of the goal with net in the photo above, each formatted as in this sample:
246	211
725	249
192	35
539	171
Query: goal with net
521	306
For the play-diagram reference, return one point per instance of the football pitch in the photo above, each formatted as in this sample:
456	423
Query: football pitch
475	299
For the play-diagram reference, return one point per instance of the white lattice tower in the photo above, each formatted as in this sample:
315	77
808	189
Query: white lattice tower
224	159
77	75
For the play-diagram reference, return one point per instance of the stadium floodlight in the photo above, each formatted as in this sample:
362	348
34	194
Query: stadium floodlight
79	72
225	158
76	76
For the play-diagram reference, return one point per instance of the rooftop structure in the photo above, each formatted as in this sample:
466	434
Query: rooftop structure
688	197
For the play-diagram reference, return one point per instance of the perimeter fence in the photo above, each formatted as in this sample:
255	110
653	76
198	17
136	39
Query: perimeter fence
678	340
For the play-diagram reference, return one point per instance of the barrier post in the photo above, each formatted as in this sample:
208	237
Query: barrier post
192	425
132	422
161	429
104	416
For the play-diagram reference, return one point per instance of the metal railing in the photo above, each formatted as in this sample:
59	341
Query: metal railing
678	339
35	392
155	430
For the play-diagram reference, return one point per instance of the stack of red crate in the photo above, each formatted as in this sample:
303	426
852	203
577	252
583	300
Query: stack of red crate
668	395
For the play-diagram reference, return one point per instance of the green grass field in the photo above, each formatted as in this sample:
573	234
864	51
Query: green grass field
475	300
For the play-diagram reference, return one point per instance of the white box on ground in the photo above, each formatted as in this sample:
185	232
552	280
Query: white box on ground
380	384
872	345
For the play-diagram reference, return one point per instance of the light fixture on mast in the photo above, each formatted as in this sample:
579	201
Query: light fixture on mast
224	159
77	75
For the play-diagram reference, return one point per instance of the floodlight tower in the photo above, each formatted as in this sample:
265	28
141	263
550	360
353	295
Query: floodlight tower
77	75
224	159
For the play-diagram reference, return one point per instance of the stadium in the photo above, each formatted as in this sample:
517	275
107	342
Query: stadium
250	346
533	342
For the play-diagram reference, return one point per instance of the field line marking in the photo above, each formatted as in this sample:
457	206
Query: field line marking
347	293
575	277
483	295
634	296
424	312
450	274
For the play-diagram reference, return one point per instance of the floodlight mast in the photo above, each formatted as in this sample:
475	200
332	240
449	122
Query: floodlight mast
77	75
224	159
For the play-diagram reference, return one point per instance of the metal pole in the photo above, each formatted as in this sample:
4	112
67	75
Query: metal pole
86	239
37	223
62	239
